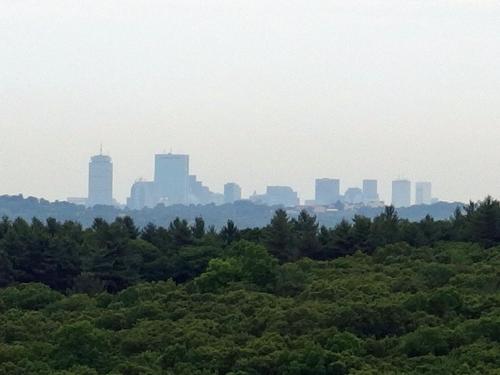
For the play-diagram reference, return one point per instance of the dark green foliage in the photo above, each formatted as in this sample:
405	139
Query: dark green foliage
369	297
246	314
113	256
80	343
306	233
243	262
279	237
180	232
229	233
427	340
198	228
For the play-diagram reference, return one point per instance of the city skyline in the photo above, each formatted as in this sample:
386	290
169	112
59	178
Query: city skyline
173	183
362	89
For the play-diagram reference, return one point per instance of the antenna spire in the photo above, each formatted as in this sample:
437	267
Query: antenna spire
100	149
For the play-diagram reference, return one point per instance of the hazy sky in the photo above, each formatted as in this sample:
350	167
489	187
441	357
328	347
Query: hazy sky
256	91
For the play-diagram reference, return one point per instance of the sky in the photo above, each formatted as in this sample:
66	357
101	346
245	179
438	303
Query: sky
258	92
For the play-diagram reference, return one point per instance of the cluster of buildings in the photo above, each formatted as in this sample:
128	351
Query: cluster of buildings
402	192
327	193
173	184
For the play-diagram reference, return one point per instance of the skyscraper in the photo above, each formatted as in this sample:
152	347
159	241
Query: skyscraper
423	193
281	195
172	177
100	181
143	194
201	194
370	191
327	191
401	193
232	192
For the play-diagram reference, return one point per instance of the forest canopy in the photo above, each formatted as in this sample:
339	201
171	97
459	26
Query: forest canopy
382	295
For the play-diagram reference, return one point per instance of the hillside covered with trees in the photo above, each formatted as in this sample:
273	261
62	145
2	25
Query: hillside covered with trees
381	296
244	214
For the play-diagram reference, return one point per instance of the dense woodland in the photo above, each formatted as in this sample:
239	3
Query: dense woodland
369	296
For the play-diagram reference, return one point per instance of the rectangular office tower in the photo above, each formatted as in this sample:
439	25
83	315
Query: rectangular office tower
172	178
281	195
423	193
401	193
327	191
100	181
370	191
232	192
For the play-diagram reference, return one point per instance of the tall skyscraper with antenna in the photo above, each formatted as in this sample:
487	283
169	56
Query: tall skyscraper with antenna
100	180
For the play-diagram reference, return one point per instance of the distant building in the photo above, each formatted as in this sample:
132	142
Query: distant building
201	194
327	191
353	196
257	198
423	193
277	196
198	193
232	192
77	200
143	194
282	195
172	178
370	192
100	181
401	193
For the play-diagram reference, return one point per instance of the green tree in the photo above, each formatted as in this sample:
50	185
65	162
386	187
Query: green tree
82	344
244	262
427	340
278	237
385	228
180	232
485	222
229	233
198	228
306	230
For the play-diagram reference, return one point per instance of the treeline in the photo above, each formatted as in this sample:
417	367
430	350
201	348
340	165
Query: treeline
113	256
245	214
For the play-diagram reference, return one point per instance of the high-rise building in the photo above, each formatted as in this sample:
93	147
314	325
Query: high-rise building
423	193
353	195
232	192
201	194
172	178
370	191
327	191
401	193
100	181
281	195
143	194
